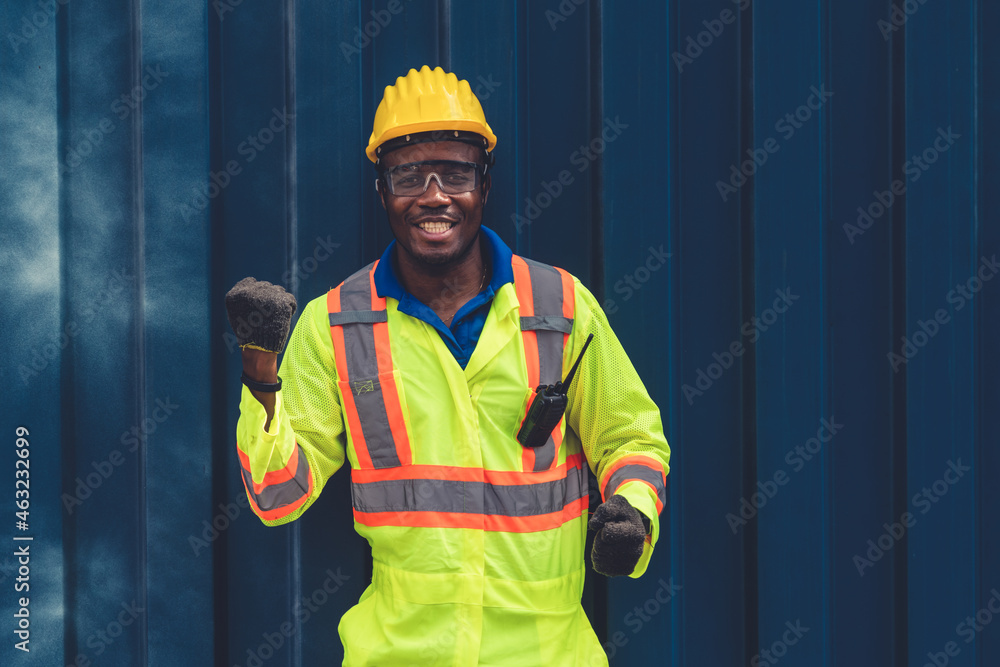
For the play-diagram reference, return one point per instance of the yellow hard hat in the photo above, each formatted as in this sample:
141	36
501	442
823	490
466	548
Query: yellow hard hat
425	101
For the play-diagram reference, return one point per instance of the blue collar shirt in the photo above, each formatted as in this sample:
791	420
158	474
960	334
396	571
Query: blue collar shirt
467	324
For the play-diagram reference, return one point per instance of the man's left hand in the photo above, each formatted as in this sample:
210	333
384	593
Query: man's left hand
620	534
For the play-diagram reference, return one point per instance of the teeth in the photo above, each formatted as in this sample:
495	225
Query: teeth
435	227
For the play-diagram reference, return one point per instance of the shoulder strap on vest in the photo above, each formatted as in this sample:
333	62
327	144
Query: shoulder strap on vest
546	300
360	333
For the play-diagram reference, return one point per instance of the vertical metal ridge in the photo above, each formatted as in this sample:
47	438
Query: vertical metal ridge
596	93
444	34
826	352
675	338
292	243
748	391
139	248
291	150
596	84
978	345
897	327
217	326
67	411
368	99
522	129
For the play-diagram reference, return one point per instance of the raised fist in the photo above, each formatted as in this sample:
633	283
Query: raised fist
620	534
260	314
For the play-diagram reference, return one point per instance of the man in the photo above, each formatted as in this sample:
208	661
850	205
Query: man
420	370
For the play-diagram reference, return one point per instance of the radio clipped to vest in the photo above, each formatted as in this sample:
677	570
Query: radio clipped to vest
547	408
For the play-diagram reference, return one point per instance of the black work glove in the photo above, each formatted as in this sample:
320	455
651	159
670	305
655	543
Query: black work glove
620	534
260	314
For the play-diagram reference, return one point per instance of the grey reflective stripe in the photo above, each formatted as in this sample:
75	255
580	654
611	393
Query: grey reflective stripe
427	495
563	324
635	471
545	455
532	499
285	493
362	368
547	294
358	316
549	326
442	495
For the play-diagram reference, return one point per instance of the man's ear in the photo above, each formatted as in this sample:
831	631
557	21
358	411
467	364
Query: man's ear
487	181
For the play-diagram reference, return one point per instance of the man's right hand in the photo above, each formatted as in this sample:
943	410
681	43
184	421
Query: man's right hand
261	315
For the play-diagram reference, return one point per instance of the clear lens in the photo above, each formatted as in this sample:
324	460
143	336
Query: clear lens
413	179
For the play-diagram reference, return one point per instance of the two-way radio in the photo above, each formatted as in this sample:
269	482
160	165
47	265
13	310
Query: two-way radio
547	408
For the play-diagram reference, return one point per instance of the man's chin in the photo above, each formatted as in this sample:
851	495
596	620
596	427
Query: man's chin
437	259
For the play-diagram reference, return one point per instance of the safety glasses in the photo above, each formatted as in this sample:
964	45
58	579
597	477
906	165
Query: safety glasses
413	178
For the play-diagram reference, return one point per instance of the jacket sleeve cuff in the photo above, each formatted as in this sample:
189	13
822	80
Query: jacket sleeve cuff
253	416
266	450
640	496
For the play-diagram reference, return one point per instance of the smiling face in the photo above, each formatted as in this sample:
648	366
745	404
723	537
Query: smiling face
435	229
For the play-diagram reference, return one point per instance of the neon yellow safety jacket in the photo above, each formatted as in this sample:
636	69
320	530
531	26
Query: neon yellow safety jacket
477	542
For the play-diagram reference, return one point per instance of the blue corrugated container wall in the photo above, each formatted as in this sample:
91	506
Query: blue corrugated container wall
823	178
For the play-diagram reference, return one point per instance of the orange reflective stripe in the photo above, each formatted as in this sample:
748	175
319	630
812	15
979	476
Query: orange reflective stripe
340	358
636	468
539	522
491	522
390	392
569	297
634	459
371	398
547	300
568	311
522	283
337	333
460	474
281	492
275	476
455	497
279	512
551	474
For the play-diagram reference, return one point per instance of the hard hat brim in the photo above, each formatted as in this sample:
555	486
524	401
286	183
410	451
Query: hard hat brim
474	126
